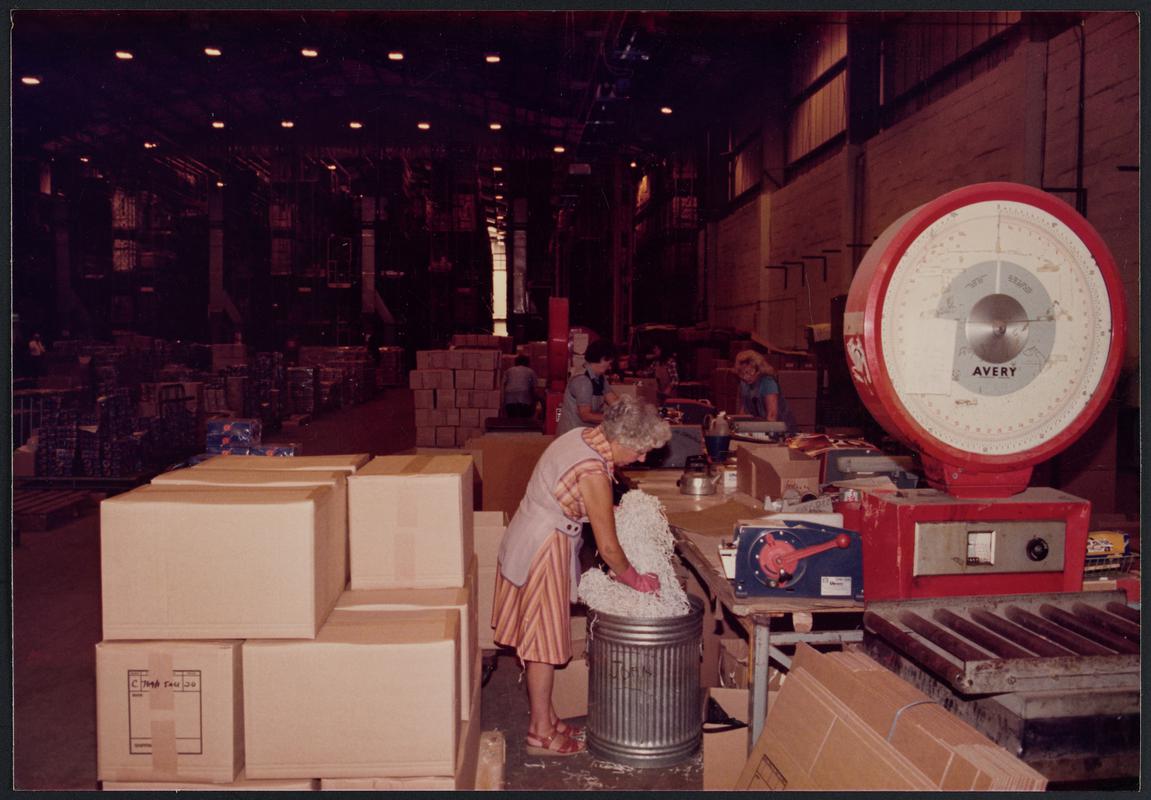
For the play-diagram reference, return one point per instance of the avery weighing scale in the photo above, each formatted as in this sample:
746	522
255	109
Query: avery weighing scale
985	330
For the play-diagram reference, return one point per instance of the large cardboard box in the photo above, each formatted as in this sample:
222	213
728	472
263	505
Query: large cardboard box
375	694
487	588
178	563
770	470
725	752
464	779
843	722
241	784
569	692
489	532
505	462
348	463
258	478
169	711
410	522
465	600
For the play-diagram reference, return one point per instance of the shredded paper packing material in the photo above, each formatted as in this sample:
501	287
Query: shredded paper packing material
646	539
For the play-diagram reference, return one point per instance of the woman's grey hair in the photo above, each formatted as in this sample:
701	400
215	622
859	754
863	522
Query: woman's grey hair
636	424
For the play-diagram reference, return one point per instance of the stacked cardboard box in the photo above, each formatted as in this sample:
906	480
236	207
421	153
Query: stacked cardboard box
412	558
227	632
483	340
454	391
489	532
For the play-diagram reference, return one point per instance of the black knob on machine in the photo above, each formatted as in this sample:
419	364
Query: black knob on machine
1037	549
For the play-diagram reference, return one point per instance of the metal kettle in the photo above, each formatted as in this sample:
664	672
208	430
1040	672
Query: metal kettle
697	478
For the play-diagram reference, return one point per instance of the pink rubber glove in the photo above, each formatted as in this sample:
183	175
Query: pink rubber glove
641	583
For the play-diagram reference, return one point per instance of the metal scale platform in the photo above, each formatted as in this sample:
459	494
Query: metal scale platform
985	330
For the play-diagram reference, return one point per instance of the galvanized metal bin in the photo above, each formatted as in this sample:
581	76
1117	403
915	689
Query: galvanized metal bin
643	688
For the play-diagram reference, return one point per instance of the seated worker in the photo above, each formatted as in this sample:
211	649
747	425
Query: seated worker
666	372
587	393
520	389
759	392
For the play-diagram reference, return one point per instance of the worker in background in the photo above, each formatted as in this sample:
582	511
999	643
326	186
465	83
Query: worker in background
665	371
588	393
759	391
538	557
36	352
520	389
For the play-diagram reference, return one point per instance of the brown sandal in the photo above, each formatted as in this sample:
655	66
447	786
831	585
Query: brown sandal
555	745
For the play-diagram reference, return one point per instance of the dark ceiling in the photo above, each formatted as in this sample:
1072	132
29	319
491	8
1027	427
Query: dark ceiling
593	81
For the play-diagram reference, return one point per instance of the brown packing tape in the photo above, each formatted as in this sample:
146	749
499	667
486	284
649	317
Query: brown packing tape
164	759
418	464
161	705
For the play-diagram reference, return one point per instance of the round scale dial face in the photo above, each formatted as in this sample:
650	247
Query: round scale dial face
995	328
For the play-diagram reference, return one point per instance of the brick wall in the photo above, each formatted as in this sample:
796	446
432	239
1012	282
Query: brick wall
806	218
985	130
1111	140
739	271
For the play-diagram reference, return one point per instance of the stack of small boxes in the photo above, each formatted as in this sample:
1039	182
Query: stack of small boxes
237	655
453	392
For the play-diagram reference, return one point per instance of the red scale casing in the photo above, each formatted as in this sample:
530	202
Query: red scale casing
888	529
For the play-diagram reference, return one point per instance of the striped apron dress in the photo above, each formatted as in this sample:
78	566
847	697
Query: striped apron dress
538	559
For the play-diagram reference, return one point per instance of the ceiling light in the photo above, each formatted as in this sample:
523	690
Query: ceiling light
84	159
495	126
499	197
30	80
423	126
150	145
665	109
633	165
331	167
355	125
395	55
559	148
497	168
309	52
287	123
124	55
219	184
213	51
217	123
492	58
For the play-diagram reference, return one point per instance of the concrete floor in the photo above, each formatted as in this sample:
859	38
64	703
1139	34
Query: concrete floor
56	625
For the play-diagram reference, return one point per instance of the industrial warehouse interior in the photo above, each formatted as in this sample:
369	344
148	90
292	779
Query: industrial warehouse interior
806	341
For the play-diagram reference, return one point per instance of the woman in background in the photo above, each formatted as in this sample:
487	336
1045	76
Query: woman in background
539	554
759	392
